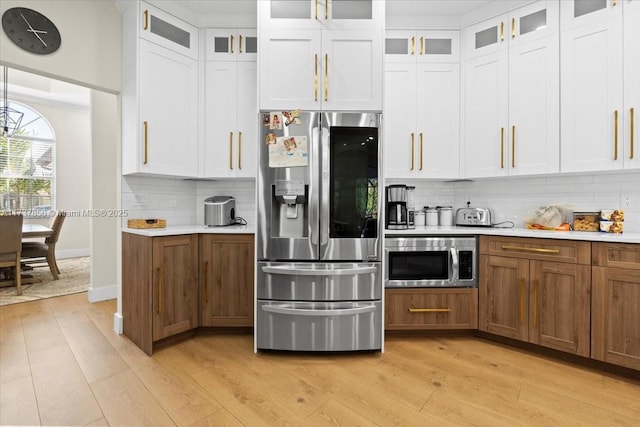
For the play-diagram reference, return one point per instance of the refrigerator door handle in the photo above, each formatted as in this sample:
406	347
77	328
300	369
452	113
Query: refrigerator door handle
317	272
288	310
314	190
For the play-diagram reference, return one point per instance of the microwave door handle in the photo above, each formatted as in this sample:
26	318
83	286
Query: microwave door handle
454	265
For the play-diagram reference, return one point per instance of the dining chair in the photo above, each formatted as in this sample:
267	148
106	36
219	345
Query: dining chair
46	249
10	246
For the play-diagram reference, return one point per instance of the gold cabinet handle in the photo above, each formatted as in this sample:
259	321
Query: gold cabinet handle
522	299
206	282
326	77
326	9
502	31
413	45
525	249
316	9
240	43
231	42
501	148
231	150
239	150
145	138
535	303
146	20
614	2
315	76
421	146
513	146
429	310
421	45
513	28
412	150
632	129
159	310
615	135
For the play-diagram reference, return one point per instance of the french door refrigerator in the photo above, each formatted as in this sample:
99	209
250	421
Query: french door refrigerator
319	282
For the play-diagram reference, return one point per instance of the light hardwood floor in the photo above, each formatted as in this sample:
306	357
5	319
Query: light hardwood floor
61	364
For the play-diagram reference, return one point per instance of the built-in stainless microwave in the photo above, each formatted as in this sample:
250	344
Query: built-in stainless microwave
430	262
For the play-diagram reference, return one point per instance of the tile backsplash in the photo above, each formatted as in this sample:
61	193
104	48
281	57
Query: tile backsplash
181	202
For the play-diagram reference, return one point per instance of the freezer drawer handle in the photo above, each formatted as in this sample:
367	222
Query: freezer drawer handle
285	309
311	272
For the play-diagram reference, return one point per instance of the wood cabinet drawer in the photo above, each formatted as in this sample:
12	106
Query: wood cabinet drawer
429	308
619	255
539	249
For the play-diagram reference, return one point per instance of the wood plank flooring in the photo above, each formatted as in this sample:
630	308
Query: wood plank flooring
61	364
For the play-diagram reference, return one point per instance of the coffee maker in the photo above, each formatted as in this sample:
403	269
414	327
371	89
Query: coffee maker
396	211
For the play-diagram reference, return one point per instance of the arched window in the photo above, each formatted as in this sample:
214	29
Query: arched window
27	166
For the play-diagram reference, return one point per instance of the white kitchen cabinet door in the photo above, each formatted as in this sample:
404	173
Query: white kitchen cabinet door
352	70
400	120
486	150
591	87
290	70
231	119
231	44
168	102
486	37
438	46
400	46
631	115
166	30
438	121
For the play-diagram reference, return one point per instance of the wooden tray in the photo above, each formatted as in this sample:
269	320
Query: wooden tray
147	223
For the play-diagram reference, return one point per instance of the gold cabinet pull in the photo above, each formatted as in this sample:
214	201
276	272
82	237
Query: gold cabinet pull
326	77
159	310
429	310
231	42
315	76
513	146
239	150
614	2
206	282
513	28
412	150
502	31
632	129
231	150
326	9
522	299
413	45
535	303
421	146
146	20
316	9
501	148
421	45
615	135
240	43
145	138
525	249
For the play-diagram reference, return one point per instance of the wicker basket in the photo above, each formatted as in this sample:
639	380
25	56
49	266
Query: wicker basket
147	223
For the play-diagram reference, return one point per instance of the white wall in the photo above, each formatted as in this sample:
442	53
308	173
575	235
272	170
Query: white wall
90	50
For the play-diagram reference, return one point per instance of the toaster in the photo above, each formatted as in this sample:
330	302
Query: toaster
219	211
478	217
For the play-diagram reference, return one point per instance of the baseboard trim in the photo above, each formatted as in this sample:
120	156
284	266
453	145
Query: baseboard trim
117	323
103	293
73	253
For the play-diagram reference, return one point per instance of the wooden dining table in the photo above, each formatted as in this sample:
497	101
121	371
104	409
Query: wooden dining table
35	230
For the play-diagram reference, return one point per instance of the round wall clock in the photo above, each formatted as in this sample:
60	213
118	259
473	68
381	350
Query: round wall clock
31	30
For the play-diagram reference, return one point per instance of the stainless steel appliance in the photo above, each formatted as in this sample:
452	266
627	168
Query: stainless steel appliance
431	262
219	211
319	281
396	212
479	217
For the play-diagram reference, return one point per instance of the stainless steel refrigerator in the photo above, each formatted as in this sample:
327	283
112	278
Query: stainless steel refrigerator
319	282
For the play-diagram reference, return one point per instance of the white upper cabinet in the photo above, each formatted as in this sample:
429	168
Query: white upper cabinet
231	44
159	93
631	110
422	105
324	14
309	66
511	93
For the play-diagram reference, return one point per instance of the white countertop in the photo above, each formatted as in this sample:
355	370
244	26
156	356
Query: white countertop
191	229
593	236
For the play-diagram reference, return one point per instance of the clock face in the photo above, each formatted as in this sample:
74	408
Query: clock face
31	30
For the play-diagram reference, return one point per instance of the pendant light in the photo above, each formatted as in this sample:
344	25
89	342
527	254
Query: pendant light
10	118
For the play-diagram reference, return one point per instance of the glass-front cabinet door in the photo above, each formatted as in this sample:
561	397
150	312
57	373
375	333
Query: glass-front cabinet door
330	14
422	46
231	44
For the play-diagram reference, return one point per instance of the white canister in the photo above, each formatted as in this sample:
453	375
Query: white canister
419	218
431	216
446	215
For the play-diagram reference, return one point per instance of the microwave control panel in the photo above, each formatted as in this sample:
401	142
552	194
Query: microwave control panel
466	265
